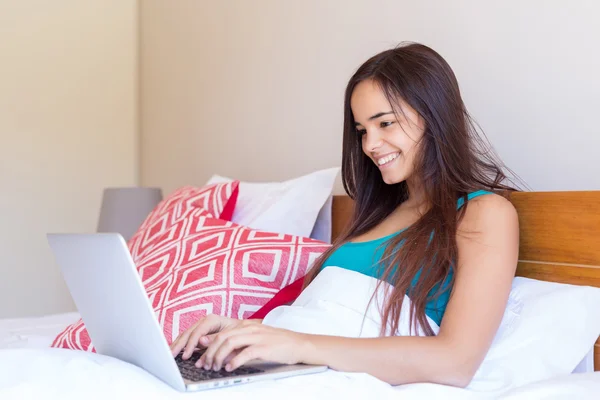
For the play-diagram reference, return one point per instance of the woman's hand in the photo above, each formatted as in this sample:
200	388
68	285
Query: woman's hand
237	346
202	332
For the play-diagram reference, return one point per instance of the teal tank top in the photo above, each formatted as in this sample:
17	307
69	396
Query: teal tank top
363	257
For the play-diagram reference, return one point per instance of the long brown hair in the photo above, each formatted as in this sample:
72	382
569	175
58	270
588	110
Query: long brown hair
453	161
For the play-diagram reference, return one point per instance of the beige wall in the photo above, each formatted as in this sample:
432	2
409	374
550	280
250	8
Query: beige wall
68	128
254	89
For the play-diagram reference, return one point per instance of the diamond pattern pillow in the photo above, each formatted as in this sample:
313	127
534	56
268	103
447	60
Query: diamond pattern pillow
217	200
203	265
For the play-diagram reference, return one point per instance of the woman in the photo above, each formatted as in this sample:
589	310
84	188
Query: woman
428	212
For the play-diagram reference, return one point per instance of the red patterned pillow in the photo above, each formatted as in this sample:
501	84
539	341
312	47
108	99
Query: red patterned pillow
217	200
203	265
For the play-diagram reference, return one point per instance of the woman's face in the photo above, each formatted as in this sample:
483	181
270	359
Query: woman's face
389	140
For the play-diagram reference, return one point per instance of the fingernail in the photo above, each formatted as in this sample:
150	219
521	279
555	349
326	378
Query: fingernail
207	367
228	368
204	339
216	367
199	364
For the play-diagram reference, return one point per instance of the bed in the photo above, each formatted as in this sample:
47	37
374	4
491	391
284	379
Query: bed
559	242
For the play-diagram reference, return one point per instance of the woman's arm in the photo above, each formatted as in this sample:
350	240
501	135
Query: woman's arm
488	243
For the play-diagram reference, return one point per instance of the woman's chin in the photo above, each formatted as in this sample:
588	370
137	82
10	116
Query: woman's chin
392	179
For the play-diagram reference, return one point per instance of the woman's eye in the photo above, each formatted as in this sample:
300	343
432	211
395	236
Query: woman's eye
386	123
361	131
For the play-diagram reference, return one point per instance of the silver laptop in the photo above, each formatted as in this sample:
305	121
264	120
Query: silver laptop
118	315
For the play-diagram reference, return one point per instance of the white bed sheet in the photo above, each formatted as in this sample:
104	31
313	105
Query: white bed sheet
36	332
582	386
64	374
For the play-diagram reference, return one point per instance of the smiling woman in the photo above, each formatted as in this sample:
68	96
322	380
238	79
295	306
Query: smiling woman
430	225
389	138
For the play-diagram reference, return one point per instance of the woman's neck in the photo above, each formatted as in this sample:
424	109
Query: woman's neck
416	195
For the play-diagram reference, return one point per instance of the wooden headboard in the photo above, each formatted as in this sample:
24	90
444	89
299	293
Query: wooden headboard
559	233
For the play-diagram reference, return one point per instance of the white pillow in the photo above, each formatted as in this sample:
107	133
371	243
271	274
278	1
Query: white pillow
547	330
289	207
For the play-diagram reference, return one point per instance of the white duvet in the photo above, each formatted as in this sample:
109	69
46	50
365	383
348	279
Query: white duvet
29	369
65	374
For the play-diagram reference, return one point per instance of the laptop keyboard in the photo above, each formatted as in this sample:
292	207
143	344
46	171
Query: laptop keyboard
191	372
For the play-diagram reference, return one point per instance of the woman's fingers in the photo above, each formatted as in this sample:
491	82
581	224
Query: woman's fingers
231	355
229	346
182	340
207	358
204	341
188	340
208	333
225	361
248	354
243	337
207	339
205	326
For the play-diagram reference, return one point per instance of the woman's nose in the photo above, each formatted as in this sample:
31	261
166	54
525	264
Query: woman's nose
373	140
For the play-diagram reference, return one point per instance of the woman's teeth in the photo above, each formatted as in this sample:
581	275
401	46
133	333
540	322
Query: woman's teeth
387	159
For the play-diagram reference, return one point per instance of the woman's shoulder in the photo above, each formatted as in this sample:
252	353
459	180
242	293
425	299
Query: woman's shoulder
491	200
489	211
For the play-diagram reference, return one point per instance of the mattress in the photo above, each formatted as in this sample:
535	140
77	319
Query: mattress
35	332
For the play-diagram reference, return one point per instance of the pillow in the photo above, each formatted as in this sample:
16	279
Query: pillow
290	207
202	265
547	330
216	200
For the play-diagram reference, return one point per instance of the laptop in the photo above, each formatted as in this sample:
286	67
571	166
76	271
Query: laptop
118	315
